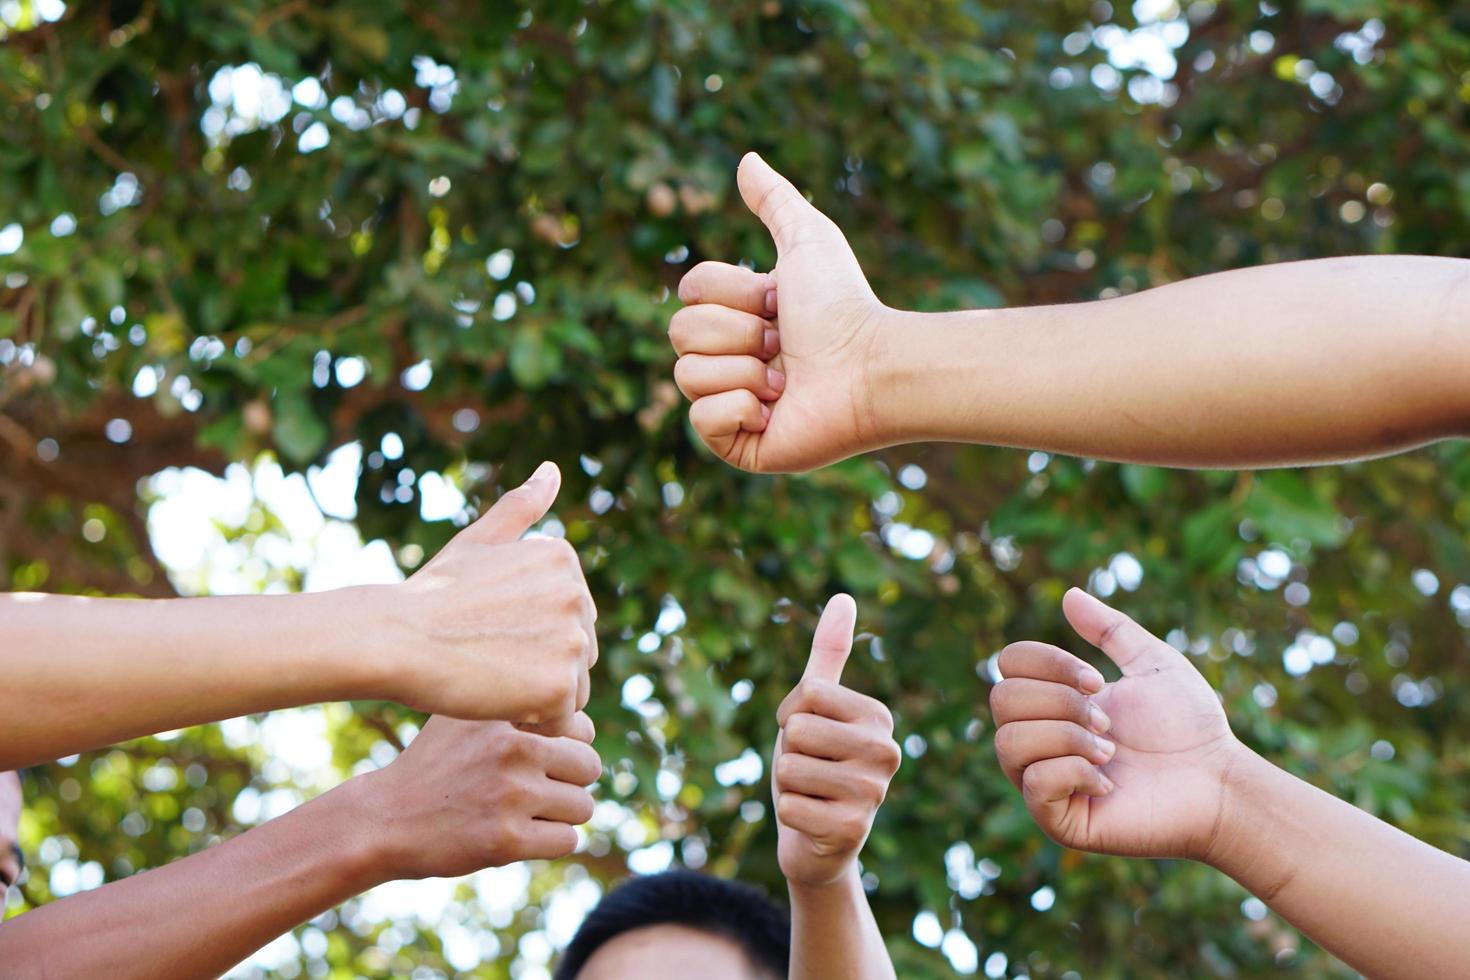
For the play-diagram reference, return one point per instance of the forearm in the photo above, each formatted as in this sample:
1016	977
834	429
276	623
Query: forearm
83	672
833	933
1303	362
1361	889
200	916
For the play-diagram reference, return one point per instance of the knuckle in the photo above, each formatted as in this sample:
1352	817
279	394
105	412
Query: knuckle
852	829
786	768
786	808
891	756
798	729
584	808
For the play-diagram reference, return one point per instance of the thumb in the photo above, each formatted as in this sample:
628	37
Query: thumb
515	513
1130	646
774	200
832	642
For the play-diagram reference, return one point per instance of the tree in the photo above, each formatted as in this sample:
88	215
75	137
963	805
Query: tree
230	231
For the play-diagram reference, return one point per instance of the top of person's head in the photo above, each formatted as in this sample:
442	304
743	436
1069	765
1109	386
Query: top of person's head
667	925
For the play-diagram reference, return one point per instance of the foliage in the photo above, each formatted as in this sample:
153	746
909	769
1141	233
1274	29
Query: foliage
488	204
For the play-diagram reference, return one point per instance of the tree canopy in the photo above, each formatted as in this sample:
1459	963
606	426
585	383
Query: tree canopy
252	233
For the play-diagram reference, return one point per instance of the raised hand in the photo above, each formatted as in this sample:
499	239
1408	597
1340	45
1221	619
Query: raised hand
1135	767
834	757
496	627
470	795
777	364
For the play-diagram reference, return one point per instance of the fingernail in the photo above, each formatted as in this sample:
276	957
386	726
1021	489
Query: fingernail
1107	783
543	472
775	379
1090	681
772	343
770	301
1105	748
765	413
1098	719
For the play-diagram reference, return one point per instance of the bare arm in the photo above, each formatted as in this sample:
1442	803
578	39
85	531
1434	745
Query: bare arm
1384	903
834	934
81	673
1303	362
1146	766
492	627
465	795
834	758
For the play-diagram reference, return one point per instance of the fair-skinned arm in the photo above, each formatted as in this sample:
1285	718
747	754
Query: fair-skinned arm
834	757
463	796
494	627
1146	766
1302	362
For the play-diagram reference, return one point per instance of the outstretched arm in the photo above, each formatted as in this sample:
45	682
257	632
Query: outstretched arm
1147	766
492	627
834	757
463	796
1303	362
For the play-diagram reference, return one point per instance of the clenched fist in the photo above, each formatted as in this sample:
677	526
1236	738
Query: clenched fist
778	365
835	755
469	795
1136	767
496	627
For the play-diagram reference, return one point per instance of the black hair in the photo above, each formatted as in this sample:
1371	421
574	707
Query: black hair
729	909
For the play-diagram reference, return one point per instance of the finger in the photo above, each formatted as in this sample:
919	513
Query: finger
805	814
832	641
1020	744
821	738
698	375
562	802
722	284
774	200
1025	699
515	513
711	329
828	780
1130	646
720	418
835	702
1049	785
581	729
547	840
584	694
568	759
1044	662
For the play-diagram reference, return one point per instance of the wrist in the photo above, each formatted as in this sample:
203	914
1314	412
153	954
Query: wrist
822	888
363	646
1249	844
360	845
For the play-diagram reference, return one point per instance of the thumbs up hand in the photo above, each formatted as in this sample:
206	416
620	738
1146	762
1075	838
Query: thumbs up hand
778	364
834	757
1138	766
496	627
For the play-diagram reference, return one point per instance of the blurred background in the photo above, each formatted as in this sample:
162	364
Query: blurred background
289	290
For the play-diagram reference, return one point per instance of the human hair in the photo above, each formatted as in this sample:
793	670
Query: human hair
732	910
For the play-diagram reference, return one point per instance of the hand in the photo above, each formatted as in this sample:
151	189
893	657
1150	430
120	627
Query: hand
1136	767
498	627
834	757
789	390
469	795
10	803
